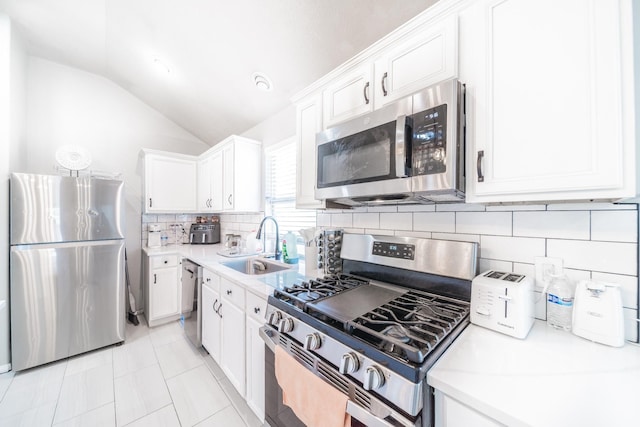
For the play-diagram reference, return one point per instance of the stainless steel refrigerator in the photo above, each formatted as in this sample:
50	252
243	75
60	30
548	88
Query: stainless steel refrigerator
67	266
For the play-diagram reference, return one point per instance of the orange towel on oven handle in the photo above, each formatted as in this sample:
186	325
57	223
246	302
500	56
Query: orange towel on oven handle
315	402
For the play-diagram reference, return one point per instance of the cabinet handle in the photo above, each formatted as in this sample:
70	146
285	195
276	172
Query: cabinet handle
479	165
165	261
230	198
219	311
229	292
256	310
382	82
208	279
366	93
150	202
155	278
214	305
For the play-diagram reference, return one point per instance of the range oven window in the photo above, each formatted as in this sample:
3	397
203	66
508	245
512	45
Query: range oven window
363	157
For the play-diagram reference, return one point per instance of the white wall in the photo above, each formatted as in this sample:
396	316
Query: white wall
276	128
69	106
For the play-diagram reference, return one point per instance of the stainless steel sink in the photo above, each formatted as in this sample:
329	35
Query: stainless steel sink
257	266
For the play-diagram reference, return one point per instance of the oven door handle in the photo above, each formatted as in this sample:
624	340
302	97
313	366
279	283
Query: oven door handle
367	418
267	336
401	147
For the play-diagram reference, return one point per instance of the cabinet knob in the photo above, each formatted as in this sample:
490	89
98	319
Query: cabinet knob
166	262
256	310
229	291
208	279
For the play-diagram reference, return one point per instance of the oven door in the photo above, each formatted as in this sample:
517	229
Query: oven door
279	415
367	156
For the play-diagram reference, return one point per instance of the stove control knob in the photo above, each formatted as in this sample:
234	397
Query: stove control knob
275	317
373	378
312	341
286	325
349	363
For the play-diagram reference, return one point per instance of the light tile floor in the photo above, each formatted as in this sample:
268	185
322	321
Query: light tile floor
156	378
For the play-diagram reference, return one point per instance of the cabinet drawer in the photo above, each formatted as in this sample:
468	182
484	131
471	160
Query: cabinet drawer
211	280
256	307
164	261
232	292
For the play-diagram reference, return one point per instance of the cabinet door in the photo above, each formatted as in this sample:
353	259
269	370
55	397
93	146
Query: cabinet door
204	184
228	177
211	322
309	123
255	367
348	96
548	110
170	184
233	344
164	292
216	185
423	59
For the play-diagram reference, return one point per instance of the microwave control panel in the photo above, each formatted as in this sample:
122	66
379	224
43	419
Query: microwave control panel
429	142
394	250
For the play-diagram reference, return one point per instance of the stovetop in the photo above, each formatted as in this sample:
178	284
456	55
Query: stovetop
399	323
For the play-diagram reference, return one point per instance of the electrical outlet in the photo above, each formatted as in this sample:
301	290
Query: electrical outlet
545	268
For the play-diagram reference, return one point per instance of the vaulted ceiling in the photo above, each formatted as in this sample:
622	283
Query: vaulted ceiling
193	60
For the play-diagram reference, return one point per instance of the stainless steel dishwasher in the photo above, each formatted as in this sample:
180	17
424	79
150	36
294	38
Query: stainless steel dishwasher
191	296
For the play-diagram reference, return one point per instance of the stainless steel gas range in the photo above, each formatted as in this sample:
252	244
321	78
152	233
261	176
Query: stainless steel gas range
374	330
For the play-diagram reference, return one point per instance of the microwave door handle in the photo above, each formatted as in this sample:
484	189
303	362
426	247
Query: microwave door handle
401	147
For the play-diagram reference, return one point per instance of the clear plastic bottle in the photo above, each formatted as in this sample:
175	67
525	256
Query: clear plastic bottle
560	302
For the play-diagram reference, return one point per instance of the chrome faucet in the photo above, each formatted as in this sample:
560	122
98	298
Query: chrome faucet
259	233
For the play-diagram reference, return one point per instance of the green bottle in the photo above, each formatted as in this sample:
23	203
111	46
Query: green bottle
285	254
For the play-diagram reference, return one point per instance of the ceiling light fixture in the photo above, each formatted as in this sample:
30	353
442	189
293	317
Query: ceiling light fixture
161	66
262	82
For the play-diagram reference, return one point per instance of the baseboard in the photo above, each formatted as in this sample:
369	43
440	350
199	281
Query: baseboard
5	368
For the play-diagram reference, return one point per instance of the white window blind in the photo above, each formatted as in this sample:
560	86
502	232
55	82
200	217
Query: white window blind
280	190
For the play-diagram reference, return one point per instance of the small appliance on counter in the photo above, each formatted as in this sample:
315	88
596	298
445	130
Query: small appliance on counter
204	234
154	238
503	302
598	314
329	246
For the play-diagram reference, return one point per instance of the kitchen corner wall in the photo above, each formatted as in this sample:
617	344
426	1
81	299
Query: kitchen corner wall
596	241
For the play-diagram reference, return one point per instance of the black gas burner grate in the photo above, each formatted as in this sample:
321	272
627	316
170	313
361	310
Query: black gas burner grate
410	326
315	290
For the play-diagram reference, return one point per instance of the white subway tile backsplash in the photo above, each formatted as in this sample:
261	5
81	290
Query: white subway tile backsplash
493	223
617	226
166	218
628	286
460	207
442	222
149	218
396	221
515	208
420	234
366	220
359	231
607	257
492	264
381	232
342	220
417	208
458	237
540	307
323	219
516	249
589	206
631	324
382	209
556	224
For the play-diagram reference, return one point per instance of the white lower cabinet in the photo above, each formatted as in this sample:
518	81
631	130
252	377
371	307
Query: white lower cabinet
451	413
233	326
211	319
162	294
256	307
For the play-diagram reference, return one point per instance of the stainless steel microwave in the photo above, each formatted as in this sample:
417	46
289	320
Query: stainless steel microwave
411	151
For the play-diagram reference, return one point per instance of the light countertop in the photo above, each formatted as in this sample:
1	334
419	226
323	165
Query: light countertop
552	378
207	256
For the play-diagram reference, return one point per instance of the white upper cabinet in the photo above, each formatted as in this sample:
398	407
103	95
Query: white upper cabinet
309	123
169	182
210	182
550	103
416	61
349	95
